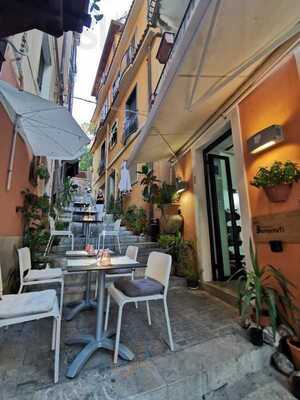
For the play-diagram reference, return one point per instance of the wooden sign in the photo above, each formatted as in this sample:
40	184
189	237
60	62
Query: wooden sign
284	227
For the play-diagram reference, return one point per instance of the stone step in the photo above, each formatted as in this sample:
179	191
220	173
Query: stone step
229	363
257	386
222	292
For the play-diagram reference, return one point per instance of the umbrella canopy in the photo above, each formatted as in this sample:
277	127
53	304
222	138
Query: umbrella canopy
125	181
47	128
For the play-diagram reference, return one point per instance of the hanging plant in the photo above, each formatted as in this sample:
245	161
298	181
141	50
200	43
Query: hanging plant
42	172
277	180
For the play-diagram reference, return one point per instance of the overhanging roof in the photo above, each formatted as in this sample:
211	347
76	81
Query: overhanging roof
223	44
50	16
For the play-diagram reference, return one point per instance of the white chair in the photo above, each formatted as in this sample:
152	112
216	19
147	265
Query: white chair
29	277
65	217
153	287
131	252
54	232
20	308
115	232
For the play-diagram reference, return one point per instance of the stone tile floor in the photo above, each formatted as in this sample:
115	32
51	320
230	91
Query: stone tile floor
26	363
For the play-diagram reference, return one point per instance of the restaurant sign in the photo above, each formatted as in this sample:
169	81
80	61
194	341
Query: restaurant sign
283	227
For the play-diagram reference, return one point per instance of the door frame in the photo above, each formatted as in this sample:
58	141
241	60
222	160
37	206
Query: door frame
221	126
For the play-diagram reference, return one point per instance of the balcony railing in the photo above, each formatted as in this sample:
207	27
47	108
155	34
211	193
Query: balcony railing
178	40
130	125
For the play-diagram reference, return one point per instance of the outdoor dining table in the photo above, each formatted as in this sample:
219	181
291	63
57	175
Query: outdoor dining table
101	339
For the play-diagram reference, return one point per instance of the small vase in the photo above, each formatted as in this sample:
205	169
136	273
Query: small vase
278	193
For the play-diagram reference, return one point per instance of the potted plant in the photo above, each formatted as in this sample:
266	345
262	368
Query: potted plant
265	295
277	180
192	276
150	185
42	172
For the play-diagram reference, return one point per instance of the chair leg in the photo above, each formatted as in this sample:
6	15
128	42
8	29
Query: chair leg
48	245
103	241
118	334
72	238
118	240
168	325
53	334
57	350
148	313
107	312
21	288
132	278
61	297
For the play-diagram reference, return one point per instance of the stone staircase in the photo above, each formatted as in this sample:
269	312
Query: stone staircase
75	283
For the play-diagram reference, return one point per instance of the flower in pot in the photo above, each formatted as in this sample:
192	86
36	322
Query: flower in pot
264	295
277	180
192	276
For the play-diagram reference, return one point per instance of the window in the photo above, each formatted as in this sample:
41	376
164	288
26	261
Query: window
113	135
45	61
104	110
131	119
111	185
116	84
41	71
102	159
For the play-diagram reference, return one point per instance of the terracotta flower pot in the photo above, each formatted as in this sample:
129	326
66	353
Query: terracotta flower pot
278	193
294	346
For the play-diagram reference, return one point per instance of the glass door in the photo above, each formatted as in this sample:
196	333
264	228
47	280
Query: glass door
224	216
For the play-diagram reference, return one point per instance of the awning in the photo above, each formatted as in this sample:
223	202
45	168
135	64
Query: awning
220	45
47	128
50	16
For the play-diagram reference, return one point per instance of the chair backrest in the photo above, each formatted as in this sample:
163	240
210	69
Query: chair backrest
1	284
51	223
108	218
159	268
24	261
132	252
117	225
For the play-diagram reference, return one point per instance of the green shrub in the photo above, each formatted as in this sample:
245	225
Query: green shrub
278	173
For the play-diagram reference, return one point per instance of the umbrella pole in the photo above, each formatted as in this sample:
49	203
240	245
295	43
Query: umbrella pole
11	158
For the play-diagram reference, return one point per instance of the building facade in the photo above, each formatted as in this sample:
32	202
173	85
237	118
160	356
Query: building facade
128	72
42	65
212	97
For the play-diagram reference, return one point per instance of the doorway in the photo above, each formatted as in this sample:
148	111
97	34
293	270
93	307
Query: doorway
223	205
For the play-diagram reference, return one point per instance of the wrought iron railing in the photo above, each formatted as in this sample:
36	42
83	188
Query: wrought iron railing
130	125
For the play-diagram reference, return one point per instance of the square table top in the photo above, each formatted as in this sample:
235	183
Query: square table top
83	253
90	264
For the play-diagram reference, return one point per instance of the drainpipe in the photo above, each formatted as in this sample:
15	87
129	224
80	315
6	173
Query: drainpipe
106	168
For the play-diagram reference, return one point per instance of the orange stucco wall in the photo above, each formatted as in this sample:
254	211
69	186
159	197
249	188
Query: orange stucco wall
11	224
10	220
184	170
275	101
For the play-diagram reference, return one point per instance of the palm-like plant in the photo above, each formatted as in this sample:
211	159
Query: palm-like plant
150	183
265	289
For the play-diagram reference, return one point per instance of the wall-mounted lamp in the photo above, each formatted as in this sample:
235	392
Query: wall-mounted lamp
265	139
181	185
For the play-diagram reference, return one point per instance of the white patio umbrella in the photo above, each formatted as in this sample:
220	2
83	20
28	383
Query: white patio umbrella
47	128
125	181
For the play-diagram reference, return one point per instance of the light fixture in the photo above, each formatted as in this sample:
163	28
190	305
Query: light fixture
181	185
265	139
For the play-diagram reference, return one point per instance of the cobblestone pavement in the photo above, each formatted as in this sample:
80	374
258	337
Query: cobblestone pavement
26	362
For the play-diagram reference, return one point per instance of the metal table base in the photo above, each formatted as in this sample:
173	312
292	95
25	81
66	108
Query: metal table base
101	340
86	304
